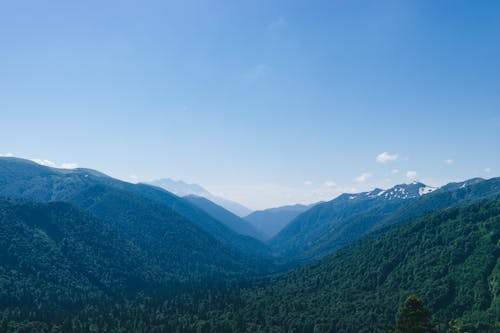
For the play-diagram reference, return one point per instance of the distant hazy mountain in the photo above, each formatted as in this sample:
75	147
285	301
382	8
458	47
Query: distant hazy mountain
273	220
182	189
331	225
231	220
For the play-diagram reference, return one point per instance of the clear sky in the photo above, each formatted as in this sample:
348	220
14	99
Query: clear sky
264	102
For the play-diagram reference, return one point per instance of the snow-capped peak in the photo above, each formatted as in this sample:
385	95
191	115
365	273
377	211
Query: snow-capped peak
407	191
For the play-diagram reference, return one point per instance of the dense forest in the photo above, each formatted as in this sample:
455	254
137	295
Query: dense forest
450	258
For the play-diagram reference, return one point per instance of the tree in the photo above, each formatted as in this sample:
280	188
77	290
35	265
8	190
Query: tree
414	317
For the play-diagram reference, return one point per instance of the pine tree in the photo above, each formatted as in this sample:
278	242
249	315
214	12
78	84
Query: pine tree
414	317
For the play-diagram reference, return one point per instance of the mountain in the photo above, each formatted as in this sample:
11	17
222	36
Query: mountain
150	217
182	189
331	225
273	220
229	219
451	258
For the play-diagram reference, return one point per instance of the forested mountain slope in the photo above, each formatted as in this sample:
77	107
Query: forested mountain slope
150	217
55	259
230	220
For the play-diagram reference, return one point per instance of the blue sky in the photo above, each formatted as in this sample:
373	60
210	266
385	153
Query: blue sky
264	102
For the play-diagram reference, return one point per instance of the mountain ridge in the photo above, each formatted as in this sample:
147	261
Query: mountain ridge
331	225
272	220
182	189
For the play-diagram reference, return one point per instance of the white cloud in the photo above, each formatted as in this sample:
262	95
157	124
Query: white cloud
256	72
279	24
133	179
44	162
49	163
449	161
487	170
308	183
394	171
363	177
411	175
386	157
330	183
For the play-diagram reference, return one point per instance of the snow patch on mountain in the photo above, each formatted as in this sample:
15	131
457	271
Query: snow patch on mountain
426	190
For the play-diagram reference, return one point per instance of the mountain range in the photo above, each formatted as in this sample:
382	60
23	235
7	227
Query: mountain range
163	225
83	252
